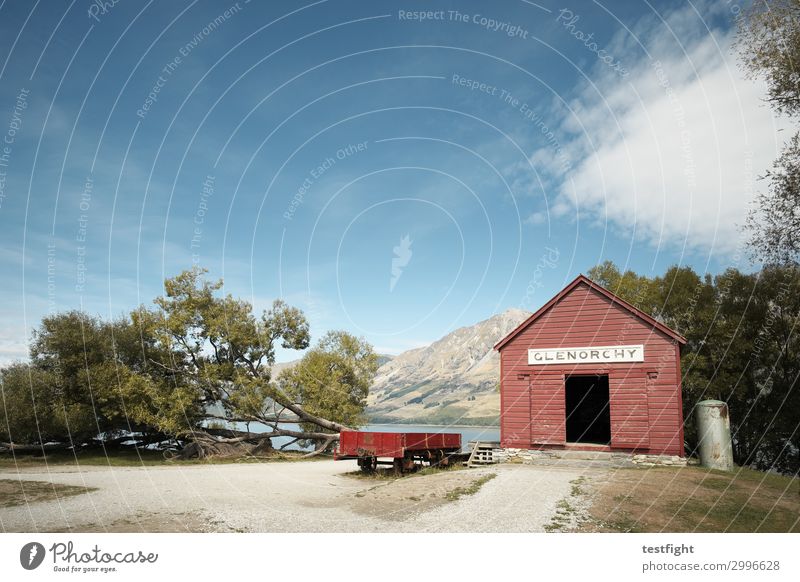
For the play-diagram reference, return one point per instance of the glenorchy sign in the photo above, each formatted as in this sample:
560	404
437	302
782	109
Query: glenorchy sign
592	354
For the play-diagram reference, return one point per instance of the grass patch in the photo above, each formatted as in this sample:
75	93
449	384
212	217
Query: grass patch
441	469
562	518
564	507
565	512
377	475
576	486
134	458
471	489
695	499
408	389
124	458
18	492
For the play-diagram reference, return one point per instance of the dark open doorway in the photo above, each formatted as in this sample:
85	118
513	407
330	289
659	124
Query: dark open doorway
588	417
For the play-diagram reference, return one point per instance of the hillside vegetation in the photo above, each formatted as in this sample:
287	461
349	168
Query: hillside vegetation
452	381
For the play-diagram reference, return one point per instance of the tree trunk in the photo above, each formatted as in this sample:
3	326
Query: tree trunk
204	445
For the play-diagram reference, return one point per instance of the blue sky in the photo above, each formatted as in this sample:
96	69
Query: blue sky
392	175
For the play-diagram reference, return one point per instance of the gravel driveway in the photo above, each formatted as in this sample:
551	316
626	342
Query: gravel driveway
293	497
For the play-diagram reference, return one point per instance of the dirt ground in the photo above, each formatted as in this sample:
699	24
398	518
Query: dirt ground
17	492
326	496
288	497
398	499
147	523
693	499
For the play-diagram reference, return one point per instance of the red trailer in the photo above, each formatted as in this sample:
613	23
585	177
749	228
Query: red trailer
400	449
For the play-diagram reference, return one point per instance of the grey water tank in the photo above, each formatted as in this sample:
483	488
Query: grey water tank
714	435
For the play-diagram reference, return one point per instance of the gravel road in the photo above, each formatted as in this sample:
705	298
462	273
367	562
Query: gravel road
292	497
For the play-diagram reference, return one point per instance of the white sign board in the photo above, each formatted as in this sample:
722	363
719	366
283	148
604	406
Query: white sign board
588	355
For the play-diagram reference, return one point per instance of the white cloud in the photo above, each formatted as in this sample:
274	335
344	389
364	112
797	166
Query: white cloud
13	344
674	149
536	218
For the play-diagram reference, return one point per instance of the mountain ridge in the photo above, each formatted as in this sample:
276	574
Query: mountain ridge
455	379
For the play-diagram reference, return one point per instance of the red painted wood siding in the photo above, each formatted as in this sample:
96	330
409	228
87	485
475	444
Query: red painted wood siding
630	416
645	398
548	407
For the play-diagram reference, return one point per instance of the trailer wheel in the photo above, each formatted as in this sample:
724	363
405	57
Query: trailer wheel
397	467
368	464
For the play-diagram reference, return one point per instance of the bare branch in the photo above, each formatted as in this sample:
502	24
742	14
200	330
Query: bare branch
321	448
290	443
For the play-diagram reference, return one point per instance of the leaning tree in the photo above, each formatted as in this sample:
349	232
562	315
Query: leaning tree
68	395
208	377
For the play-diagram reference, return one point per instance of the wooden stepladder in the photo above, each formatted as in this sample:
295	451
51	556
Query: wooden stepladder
482	454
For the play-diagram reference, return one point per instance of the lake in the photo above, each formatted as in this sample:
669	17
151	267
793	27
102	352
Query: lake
468	433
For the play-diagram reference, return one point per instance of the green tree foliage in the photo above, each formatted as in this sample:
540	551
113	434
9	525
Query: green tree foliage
769	46
81	354
35	410
213	364
774	222
332	380
742	348
191	368
768	42
73	387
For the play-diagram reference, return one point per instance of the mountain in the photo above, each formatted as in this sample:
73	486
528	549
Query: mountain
453	380
276	369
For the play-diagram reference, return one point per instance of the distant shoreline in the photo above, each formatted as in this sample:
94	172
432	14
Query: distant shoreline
433	425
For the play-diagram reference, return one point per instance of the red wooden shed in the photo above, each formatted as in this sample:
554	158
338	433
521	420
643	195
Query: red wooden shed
590	371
